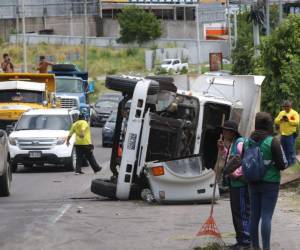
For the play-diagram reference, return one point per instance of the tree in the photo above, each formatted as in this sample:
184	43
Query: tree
280	60
138	25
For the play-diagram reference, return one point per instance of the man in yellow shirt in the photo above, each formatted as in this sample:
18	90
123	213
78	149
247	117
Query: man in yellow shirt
288	122
83	144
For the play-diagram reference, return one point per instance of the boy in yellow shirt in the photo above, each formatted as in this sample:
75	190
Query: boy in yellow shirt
288	122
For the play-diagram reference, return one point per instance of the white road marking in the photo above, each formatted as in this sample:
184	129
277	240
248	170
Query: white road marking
61	211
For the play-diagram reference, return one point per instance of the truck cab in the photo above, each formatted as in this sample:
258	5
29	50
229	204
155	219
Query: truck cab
72	87
20	92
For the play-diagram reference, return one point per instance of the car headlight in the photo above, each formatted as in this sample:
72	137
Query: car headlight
61	140
12	141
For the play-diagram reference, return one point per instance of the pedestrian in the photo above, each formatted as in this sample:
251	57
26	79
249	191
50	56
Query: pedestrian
43	65
288	122
264	193
83	144
232	146
6	65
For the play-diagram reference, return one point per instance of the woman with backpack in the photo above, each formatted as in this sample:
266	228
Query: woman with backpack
232	147
264	193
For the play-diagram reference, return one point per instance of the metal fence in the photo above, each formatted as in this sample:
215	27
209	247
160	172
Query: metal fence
40	8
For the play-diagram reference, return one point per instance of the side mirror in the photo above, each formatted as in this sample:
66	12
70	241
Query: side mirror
9	128
91	87
2	133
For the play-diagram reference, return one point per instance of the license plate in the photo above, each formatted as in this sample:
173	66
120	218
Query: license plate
35	154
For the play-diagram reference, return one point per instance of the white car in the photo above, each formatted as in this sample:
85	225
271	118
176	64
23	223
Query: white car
40	137
173	64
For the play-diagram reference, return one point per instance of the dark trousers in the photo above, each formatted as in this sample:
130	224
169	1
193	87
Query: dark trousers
85	151
263	198
240	210
288	145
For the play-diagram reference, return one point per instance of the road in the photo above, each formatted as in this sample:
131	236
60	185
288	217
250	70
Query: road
53	209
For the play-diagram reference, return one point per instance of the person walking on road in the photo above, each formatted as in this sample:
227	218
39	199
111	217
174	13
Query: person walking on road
83	144
264	193
238	189
6	65
43	65
288	122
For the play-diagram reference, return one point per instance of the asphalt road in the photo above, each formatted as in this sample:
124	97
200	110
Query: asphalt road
41	194
53	209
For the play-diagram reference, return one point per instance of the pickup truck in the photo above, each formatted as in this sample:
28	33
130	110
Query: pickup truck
169	147
173	64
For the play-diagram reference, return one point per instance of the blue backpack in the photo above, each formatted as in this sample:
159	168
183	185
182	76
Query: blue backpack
253	165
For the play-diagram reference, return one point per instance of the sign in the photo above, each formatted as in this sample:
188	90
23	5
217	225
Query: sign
215	61
215	31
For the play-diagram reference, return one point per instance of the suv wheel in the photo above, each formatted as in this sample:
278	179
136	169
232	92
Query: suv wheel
5	180
14	166
71	162
127	85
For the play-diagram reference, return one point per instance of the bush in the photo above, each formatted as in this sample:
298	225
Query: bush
184	70
131	51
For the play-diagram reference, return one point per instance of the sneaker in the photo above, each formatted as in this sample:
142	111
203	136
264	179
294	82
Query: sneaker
98	170
77	173
239	246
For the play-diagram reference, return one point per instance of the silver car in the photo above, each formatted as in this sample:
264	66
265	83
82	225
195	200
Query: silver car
5	172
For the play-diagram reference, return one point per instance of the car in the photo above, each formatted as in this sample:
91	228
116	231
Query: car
5	170
173	64
109	130
39	137
102	110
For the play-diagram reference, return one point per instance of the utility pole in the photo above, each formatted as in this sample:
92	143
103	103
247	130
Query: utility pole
17	21
235	29
280	11
24	38
85	35
198	38
255	34
229	28
71	23
267	2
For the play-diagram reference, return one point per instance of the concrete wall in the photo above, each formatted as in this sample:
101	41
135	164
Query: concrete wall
171	29
190	44
96	27
61	25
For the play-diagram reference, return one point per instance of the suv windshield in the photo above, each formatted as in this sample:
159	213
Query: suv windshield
21	96
68	85
49	122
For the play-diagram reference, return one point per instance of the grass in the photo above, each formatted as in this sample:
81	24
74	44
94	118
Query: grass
101	61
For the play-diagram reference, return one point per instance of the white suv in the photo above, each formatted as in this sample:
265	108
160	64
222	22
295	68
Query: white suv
40	137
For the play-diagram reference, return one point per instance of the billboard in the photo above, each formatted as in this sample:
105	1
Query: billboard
215	31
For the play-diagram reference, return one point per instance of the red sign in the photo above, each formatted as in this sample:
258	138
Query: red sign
215	61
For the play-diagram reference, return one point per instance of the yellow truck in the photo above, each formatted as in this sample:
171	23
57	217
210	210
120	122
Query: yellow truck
23	91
